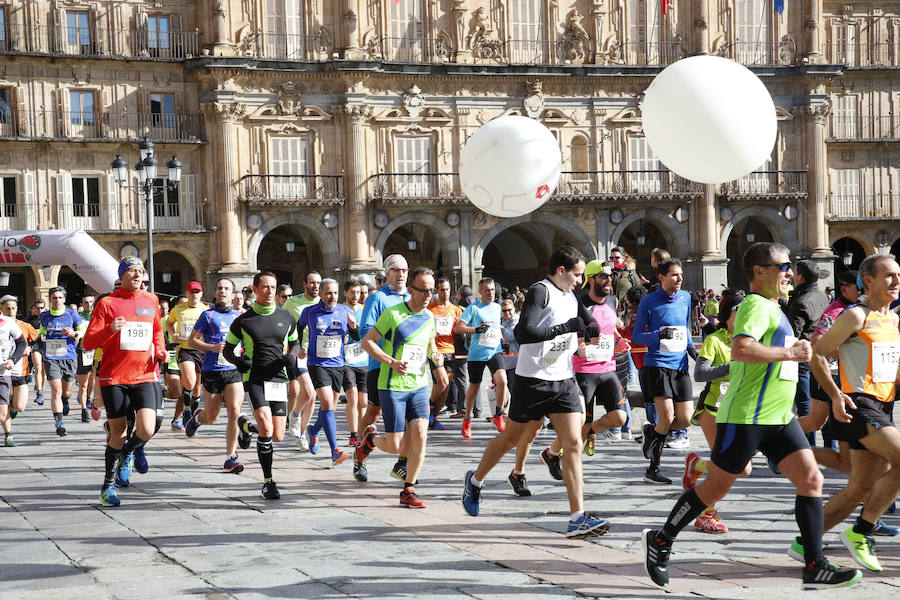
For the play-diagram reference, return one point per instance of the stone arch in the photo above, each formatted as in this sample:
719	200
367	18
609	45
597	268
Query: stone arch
782	230
328	243
192	259
677	234
449	242
864	241
582	241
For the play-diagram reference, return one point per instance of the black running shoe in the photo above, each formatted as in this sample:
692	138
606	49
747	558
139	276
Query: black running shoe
824	575
60	430
84	416
646	429
656	556
519	484
244	435
652	475
553	464
360	472
399	470
270	491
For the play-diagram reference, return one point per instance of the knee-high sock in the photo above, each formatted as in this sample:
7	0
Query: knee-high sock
686	509
657	443
330	427
109	463
186	400
811	521
320	422
132	443
264	451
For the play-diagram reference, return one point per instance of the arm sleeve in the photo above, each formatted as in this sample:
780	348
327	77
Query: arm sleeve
704	371
293	339
527	330
19	349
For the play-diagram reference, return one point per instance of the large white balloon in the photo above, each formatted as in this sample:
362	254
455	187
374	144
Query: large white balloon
510	166
709	119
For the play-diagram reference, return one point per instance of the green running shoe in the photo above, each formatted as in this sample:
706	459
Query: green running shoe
862	548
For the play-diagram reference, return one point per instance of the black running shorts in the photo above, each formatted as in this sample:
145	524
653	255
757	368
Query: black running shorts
736	444
533	399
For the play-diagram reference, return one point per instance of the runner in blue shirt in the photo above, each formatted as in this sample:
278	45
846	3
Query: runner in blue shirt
482	318
218	376
61	328
329	323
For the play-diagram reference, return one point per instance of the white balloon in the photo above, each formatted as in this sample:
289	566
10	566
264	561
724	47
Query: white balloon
510	166
709	119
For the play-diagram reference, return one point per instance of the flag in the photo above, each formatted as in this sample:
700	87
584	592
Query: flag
665	5
779	6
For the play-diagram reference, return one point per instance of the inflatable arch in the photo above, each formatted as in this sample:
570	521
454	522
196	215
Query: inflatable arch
71	247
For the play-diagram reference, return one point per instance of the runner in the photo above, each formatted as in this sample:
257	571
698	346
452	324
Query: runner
482	318
867	339
301	393
60	327
84	374
355	362
179	325
391	293
326	325
37	352
19	376
550	323
12	349
125	324
663	324
221	380
406	331
756	414
172	374
445	316
268	336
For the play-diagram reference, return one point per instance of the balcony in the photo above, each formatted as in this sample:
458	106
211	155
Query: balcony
760	54
292	190
104	126
765	185
864	207
861	55
616	185
184	216
634	53
863	128
140	44
287	46
18	216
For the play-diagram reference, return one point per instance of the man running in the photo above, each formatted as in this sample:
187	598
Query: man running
172	374
36	356
12	349
756	413
220	379
355	362
179	325
268	335
20	376
549	326
482	318
663	324
60	327
301	393
445	316
126	326
84	374
327	324
867	339
406	333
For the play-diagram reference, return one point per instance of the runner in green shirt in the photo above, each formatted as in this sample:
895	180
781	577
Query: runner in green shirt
301	393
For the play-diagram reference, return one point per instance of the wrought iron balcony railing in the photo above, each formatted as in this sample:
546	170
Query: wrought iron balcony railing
98	43
868	206
292	190
92	125
766	184
878	54
856	127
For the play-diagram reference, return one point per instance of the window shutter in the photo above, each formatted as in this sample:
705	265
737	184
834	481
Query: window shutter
64	209
190	210
110	209
28	207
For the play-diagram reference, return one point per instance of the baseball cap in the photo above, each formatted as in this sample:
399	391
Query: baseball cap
594	267
128	262
194	286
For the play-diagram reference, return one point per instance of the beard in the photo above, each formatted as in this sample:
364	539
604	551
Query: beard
600	291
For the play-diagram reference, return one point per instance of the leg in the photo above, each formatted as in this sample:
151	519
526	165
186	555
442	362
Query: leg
417	432
500	445
352	409
523	447
234	397
884	442
866	469
568	431
500	391
471	393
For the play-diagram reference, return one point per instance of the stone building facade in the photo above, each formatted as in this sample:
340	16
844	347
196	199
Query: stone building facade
327	134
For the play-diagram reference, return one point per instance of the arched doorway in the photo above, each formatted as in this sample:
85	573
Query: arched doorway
746	232
75	286
849	253
639	239
290	252
171	273
420	246
21	285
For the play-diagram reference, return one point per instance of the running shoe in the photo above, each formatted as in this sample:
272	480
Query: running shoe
303	443
436	425
185	416
9	441
824	575
193	424
95	413
177	426
862	548
65	408
609	436
471	497
354	440
60	430
110	496
646	429
296	427
409	498
39	398
458	415
467	428
499	422
589	444
360	472
652	475
656	556
232	465
587	525
553	464
519	483
399	470
882	528
338	456
84	416
677	441
691	474
270	490
140	461
123	474
312	439
709	522
244	434
366	444
626	435
797	551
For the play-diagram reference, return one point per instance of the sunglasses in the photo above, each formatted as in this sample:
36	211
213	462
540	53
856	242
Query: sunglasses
783	267
428	291
506	310
284	296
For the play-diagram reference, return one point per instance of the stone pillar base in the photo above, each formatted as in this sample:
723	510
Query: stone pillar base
826	270
241	278
707	273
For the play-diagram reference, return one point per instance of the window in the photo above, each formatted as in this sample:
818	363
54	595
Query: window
645	174
406	31
643	47
526	32
284	26
845	120
78	32
290	165
6	117
162	110
85	197
3	36
165	200
752	37
81	106
845	197
158	34
845	44
579	155
8	197
413	160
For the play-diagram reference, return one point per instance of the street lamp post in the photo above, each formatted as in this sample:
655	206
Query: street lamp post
146	171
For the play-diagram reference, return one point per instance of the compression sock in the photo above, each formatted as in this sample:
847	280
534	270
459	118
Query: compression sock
132	443
264	451
330	428
657	443
320	422
688	508
195	403
109	464
811	520
57	418
185	401
13	413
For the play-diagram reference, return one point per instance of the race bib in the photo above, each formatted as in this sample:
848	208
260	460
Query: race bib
353	352
602	352
223	362
87	357
275	391
301	363
186	328
558	347
170	357
789	368
414	357
136	335
490	338
57	347
678	341
443	325
328	346
885	358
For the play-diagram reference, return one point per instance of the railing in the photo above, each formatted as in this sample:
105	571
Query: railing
289	46
185	215
85	216
634	53
760	54
91	42
870	206
534	52
856	127
879	54
406	187
289	190
18	216
596	185
408	49
90	125
761	184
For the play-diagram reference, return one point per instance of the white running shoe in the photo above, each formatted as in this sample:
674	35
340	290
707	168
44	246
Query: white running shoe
302	442
678	442
608	436
296	428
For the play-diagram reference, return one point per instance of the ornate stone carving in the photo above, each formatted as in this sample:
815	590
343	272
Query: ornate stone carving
787	50
480	219
357	113
290	102
84	159
575	40
219	9
459	20
819	111
226	111
247	39
371	45
413	101
478	40
534	100
847	11
323	43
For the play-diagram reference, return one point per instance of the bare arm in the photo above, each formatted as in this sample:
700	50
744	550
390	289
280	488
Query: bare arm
746	349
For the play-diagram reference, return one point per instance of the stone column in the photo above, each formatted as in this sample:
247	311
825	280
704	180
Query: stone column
816	228
463	54
701	27
351	30
812	51
359	254
221	44
713	267
222	120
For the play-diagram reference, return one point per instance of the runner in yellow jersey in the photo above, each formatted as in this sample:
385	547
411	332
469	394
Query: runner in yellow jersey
179	325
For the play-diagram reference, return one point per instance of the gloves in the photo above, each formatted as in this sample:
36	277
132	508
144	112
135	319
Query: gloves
574	324
591	331
692	352
481	328
243	364
666	333
289	361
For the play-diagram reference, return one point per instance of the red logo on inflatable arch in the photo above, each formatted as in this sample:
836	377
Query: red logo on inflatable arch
542	191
